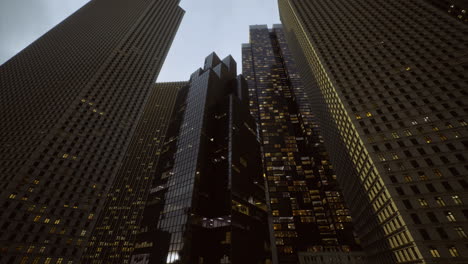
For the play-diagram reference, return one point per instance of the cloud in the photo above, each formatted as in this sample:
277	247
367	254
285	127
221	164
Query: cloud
23	21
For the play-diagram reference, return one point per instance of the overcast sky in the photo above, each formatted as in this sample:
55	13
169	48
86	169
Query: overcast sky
208	25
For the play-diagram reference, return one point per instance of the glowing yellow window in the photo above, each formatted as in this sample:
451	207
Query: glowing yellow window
437	173
368	114
434	253
453	251
460	231
450	216
37	218
428	139
422	202
408	178
440	201
457	200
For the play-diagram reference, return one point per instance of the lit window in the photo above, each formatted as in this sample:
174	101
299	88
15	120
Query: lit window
460	231
368	114
395	156
422	202
65	156
408	132
381	157
83	232
428	139
437	173
450	216
440	201
453	251
395	135
408	178
457	199
434	252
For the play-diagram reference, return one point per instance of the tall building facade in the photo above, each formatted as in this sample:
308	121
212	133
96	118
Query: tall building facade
307	207
206	202
69	104
113	237
388	82
458	9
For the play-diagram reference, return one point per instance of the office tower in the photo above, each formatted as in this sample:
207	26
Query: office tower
308	211
455	8
68	107
206	203
388	82
113	237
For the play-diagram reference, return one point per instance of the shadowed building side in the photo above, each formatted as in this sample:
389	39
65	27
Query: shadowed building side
388	82
69	105
113	237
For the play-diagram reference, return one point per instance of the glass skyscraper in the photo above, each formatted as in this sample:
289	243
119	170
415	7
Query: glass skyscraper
306	203
206	202
69	105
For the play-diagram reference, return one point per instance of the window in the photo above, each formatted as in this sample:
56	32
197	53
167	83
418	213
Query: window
453	251
434	252
460	231
440	201
407	204
408	133
432	217
442	233
424	234
422	202
457	200
437	173
450	216
416	219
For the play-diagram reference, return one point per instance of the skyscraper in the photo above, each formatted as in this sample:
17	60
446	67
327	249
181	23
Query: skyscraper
388	82
308	211
113	237
455	8
69	104
206	202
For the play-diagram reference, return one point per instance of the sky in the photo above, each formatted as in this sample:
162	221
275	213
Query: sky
208	25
